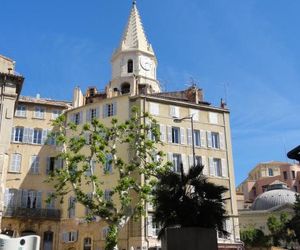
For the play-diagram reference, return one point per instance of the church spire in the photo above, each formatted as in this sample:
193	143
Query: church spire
134	37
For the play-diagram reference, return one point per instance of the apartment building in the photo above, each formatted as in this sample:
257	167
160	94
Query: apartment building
31	159
265	173
10	86
133	83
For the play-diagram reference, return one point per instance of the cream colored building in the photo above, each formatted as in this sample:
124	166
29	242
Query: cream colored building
133	83
11	85
25	210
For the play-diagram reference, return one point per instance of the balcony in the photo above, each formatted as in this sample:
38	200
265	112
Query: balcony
32	213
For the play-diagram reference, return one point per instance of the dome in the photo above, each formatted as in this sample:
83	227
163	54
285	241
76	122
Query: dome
273	198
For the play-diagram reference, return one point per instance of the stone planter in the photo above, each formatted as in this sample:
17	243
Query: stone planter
190	238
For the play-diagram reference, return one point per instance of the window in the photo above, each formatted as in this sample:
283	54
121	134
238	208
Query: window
107	195
153	108
93	113
34	166
125	88
174	111
21	111
217	167
91	168
153	227
37	136
15	163
39	112
76	118
31	199
51	203
175	135
213	118
295	189
270	172
285	176
129	66
293	175
154	136
215	140
198	160
87	244
70	236
109	109
18	134
71	208
55	114
108	164
10	197
197	138
104	232
53	163
177	163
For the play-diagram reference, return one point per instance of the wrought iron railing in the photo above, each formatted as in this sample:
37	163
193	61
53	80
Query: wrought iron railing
37	213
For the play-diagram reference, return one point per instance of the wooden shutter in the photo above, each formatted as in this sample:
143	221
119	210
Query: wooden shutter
13	134
170	157
30	135
38	199
97	112
195	114
105	110
114	108
191	161
149	226
224	168
203	138
205	167
65	237
189	136
222	141
182	137
162	132
209	140
88	115
18	162
211	166
169	130
7	197
185	164
44	136
24	198
48	165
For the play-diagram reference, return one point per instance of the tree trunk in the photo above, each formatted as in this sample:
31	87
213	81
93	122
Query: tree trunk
111	240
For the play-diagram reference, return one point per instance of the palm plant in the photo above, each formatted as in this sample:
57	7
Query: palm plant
189	200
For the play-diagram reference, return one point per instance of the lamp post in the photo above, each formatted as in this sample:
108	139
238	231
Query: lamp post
179	120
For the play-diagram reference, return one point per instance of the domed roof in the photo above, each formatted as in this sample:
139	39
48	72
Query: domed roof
273	198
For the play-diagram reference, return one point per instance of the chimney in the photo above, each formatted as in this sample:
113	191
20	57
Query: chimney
77	98
38	96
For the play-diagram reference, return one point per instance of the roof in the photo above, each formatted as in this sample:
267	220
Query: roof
6	58
134	36
274	198
44	101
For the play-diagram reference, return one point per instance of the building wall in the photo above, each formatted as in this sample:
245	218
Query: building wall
266	173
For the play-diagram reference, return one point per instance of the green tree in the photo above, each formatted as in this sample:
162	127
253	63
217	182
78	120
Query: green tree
84	147
253	237
294	223
280	235
189	200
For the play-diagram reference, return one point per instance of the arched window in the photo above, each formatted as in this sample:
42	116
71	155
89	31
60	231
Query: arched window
125	88
129	66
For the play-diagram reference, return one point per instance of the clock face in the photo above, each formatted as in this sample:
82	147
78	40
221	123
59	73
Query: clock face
145	63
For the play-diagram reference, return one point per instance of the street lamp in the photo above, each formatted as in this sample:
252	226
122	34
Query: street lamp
179	120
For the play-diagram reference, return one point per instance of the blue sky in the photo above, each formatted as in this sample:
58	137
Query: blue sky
251	47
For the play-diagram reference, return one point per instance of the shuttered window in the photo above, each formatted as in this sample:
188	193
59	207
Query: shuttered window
34	164
15	163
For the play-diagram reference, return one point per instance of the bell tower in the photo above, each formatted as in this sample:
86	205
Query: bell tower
134	62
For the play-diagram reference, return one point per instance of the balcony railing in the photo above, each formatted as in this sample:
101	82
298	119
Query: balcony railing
36	213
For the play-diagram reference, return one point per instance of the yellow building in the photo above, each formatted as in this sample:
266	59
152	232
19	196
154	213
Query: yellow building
133	83
10	87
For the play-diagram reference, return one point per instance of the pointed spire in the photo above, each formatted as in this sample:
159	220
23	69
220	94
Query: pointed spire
134	36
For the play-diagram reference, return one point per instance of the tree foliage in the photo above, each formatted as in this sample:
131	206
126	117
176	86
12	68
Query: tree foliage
189	200
253	237
294	223
85	151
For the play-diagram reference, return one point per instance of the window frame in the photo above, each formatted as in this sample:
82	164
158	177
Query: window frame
21	112
37	137
176	133
39	112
